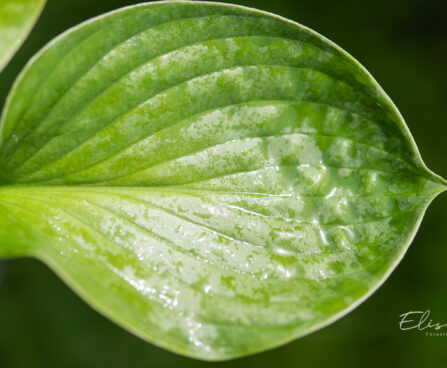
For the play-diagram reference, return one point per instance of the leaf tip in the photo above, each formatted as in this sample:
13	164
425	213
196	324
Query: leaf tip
441	184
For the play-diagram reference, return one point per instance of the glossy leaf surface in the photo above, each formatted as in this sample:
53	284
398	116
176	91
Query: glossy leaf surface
215	179
17	17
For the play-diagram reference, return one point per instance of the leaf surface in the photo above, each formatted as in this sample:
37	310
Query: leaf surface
17	17
216	179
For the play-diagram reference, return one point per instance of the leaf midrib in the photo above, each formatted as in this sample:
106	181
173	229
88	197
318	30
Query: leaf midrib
438	185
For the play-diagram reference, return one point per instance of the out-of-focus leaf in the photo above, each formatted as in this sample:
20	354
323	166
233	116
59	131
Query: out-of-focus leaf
17	18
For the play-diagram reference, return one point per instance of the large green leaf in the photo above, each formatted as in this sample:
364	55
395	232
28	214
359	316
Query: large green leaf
17	17
215	179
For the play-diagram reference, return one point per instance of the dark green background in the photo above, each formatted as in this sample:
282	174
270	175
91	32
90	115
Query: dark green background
403	43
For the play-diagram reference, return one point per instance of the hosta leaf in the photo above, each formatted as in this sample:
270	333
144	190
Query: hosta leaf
17	17
215	179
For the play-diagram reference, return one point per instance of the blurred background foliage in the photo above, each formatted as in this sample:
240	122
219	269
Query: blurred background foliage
403	43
